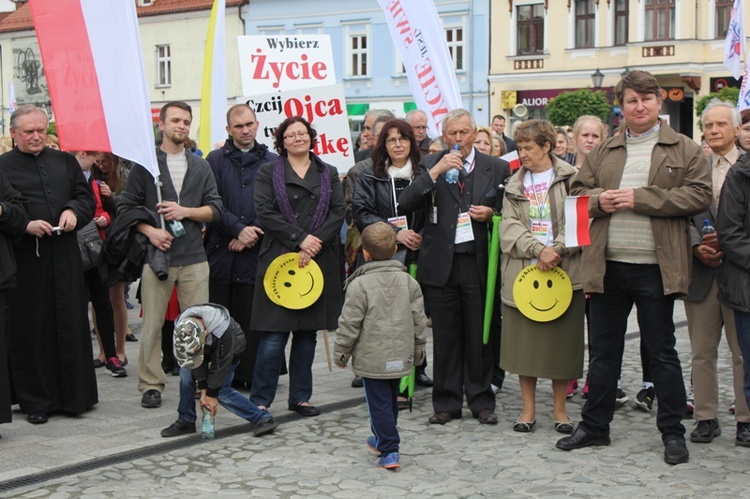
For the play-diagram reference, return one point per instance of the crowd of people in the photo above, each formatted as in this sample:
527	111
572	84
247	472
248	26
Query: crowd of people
411	225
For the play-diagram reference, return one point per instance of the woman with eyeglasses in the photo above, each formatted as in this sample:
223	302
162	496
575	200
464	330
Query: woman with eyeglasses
300	205
394	165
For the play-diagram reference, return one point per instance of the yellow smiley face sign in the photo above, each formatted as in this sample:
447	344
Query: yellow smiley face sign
290	286
542	296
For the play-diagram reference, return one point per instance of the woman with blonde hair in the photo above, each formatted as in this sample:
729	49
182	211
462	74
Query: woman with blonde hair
483	140
588	132
498	146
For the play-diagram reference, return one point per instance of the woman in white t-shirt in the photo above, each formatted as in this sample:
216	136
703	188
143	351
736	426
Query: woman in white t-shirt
533	233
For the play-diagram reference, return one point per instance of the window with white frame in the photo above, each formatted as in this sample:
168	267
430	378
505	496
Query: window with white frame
659	20
271	30
163	65
454	36
530	29
309	29
357	51
145	3
585	17
620	11
723	15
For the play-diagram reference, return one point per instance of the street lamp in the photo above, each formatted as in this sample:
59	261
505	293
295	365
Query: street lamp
597	79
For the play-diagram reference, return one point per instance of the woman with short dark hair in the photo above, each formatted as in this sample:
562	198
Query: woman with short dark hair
300	205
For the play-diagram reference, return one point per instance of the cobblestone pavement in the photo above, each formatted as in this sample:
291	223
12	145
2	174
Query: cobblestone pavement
326	456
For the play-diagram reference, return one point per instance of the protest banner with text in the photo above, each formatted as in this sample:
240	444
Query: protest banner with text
323	107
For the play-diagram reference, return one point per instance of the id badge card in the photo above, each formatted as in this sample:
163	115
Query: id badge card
464	232
433	215
399	222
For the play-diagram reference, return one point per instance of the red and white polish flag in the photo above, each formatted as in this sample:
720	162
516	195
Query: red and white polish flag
577	221
91	50
512	159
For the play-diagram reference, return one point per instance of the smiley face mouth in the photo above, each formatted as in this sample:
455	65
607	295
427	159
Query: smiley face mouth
312	285
544	309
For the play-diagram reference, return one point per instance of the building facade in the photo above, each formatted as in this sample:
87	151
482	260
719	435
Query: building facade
173	39
544	47
366	60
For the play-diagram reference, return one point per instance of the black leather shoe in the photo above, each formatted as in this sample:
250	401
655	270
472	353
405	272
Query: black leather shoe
675	451
580	439
178	428
706	431
151	399
743	435
357	382
423	380
38	417
307	411
443	417
486	416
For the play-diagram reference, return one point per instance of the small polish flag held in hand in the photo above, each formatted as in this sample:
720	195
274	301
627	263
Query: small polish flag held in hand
577	221
513	161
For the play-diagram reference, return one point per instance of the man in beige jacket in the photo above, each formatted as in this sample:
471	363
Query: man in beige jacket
643	185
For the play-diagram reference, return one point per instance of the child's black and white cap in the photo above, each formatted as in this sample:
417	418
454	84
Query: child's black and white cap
189	338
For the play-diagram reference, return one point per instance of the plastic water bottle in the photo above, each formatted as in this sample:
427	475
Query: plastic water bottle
451	176
707	227
208	429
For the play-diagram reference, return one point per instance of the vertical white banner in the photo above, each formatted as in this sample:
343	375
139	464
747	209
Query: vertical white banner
418	33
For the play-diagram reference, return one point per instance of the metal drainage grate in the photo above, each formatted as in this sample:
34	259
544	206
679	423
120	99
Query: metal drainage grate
162	448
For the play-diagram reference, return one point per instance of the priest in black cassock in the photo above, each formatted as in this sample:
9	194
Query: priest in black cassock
12	222
49	343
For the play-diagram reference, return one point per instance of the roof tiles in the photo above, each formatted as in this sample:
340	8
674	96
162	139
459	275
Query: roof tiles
20	20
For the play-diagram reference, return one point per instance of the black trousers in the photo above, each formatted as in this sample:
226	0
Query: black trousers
625	285
238	298
462	364
105	321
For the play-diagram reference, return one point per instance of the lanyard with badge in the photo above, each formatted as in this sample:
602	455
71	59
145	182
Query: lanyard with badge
464	230
540	227
397	221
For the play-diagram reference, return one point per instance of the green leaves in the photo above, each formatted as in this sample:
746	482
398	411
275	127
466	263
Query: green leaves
564	109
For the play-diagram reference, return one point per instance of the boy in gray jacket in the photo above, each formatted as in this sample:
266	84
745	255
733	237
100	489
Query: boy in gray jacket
382	328
207	345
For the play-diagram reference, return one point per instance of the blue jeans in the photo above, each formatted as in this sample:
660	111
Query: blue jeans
626	284
229	398
742	322
268	366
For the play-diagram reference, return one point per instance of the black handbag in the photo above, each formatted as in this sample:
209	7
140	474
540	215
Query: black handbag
90	246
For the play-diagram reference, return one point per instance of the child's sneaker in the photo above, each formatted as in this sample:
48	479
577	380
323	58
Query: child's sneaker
372	445
732	406
585	391
389	462
572	387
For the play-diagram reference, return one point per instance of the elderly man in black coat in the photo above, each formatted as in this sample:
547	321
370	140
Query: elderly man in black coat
49	342
453	264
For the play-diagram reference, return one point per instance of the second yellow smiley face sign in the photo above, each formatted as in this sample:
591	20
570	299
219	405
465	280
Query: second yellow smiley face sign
542	296
290	286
